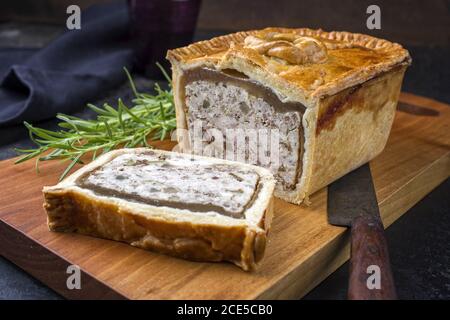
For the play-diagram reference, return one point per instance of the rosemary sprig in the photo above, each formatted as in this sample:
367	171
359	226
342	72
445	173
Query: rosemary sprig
151	116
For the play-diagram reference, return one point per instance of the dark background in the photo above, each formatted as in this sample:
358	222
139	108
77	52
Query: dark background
423	27
410	22
419	241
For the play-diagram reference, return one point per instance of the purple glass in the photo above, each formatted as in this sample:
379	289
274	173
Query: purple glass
159	25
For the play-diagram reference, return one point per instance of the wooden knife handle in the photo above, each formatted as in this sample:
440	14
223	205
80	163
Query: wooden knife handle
370	270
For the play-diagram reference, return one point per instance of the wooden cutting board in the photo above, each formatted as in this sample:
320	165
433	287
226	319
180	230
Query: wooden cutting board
303	249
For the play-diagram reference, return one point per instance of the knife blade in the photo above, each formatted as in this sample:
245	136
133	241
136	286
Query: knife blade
352	202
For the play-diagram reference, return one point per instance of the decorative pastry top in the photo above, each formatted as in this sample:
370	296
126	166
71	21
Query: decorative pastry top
300	64
290	47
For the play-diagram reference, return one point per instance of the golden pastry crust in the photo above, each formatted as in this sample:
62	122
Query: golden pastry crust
160	229
69	211
347	130
349	84
351	59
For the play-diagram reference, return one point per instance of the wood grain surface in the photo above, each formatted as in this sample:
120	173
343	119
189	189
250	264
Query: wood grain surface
303	249
369	248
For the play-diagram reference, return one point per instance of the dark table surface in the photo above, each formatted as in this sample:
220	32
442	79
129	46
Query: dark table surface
419	242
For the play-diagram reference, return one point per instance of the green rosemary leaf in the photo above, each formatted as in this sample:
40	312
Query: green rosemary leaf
94	155
135	118
152	116
111	110
163	133
52	155
130	80
46	133
29	156
70	166
97	109
69	122
36	165
164	73
161	108
108	130
37	132
19	150
119	116
145	142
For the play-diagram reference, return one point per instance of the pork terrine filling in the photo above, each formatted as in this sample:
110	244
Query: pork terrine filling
176	181
228	100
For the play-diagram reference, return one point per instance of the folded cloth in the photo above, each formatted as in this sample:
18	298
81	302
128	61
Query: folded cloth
73	69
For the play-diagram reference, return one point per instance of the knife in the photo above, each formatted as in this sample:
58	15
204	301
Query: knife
352	202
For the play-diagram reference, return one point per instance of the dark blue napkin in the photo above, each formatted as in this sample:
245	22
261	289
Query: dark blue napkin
77	67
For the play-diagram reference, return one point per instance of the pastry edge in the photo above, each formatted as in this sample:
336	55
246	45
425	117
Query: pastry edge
204	53
241	243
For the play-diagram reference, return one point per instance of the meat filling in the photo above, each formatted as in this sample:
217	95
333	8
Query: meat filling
176	181
233	117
